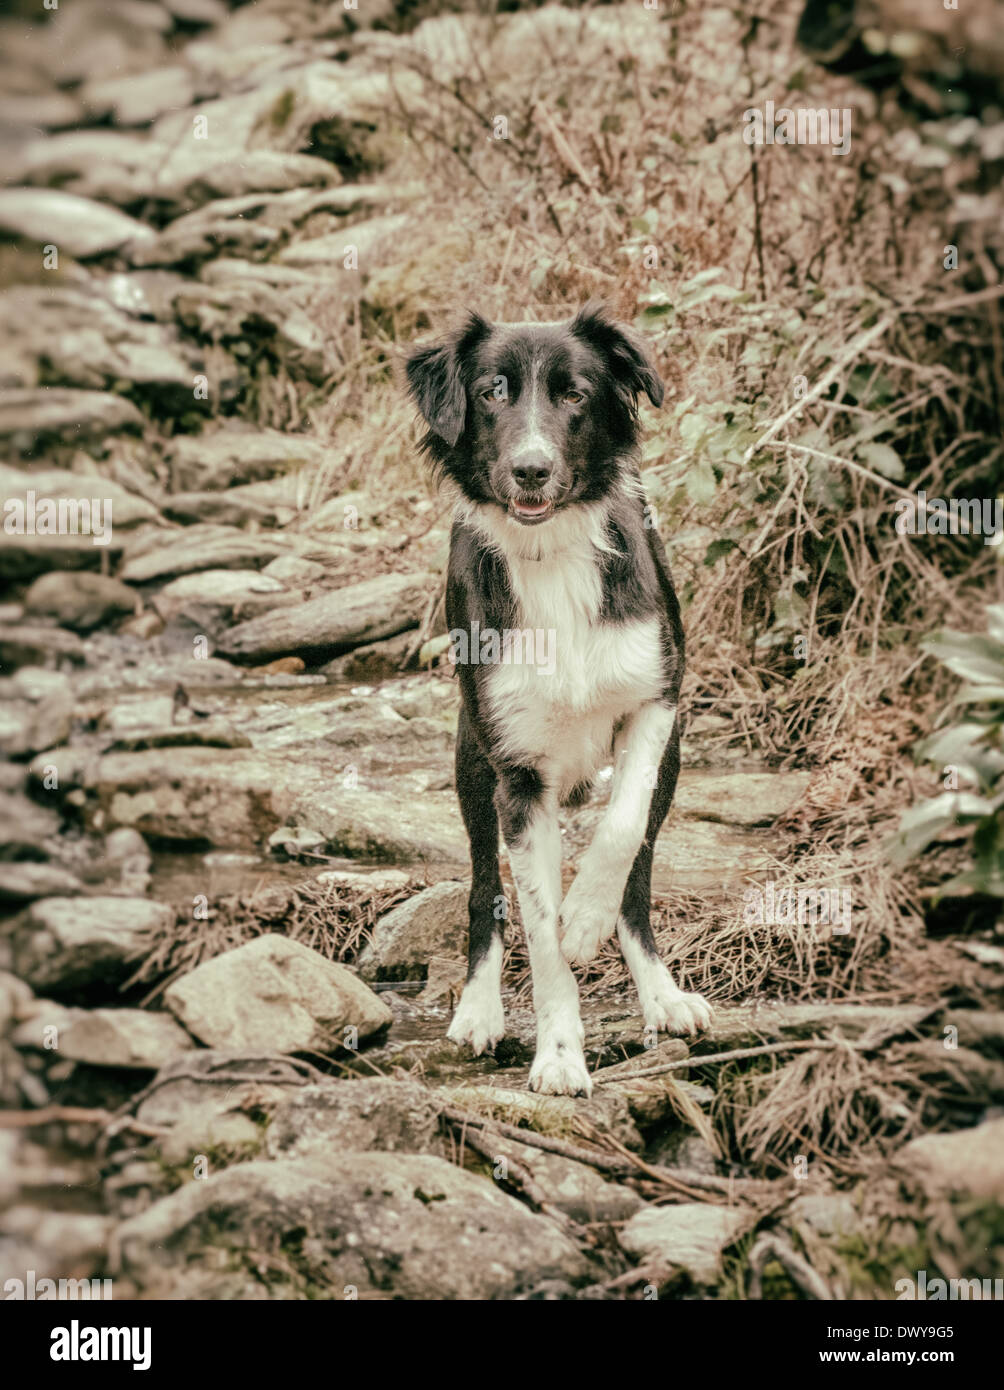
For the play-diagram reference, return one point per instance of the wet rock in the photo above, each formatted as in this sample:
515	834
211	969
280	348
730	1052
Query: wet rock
739	798
343	618
690	1237
77	226
433	922
52	412
205	461
969	1162
24	881
377	1222
62	944
79	601
275	994
132	1038
36	710
365	1115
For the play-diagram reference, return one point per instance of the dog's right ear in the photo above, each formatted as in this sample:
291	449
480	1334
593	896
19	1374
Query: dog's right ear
436	381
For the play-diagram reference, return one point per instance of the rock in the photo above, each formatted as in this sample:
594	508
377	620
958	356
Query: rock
334	621
124	507
375	661
154	554
25	827
739	798
741	1024
203	1115
369	880
433	922
690	1237
825	1213
51	412
548	1114
969	1162
293	571
68	1240
976	1027
206	461
36	710
132	1038
139	98
574	1188
101	164
256	171
79	601
224	590
28	645
24	881
78	227
366	1115
409	1224
370	239
16	1000
366	824
275	994
64	944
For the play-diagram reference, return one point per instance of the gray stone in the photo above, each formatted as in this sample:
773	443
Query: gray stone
275	994
364	823
365	1115
433	922
155	554
334	621
968	1162
22	881
36	710
139	98
224	590
16	1000
133	1038
57	412
69	943
229	456
739	798
79	601
77	226
690	1237
411	1224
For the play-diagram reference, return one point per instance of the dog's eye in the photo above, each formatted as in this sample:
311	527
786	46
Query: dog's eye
573	398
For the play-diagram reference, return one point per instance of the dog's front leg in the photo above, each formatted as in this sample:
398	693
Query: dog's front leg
590	910
528	813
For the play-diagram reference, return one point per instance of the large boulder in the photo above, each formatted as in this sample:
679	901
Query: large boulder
278	995
409	1225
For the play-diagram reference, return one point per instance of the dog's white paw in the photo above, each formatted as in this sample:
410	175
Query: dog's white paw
560	1071
586	920
479	1024
668	1010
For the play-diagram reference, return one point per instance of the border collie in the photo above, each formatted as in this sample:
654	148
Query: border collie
534	427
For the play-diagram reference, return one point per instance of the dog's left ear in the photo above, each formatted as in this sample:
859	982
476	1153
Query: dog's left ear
437	383
627	359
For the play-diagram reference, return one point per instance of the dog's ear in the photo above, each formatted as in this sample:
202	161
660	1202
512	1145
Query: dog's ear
437	383
627	359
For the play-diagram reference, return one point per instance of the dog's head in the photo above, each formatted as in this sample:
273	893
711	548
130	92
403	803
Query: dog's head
533	417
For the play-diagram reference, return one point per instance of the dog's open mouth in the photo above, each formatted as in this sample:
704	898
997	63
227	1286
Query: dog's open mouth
530	513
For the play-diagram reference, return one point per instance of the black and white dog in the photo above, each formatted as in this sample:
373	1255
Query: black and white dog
535	428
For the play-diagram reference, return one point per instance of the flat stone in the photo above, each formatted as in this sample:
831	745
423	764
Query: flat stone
738	798
79	601
132	1038
365	1115
155	554
967	1162
230	456
22	881
276	994
60	413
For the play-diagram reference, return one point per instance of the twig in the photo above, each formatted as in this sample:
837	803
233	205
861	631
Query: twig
772	1247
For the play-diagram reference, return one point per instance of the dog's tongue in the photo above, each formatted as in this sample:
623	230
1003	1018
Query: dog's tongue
531	508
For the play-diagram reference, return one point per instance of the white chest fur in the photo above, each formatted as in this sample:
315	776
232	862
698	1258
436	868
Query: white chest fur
560	716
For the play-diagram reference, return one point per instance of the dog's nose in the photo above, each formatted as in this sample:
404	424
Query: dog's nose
532	470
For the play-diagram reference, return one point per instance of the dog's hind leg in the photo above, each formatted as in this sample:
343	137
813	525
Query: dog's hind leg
480	1018
529	816
664	1005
